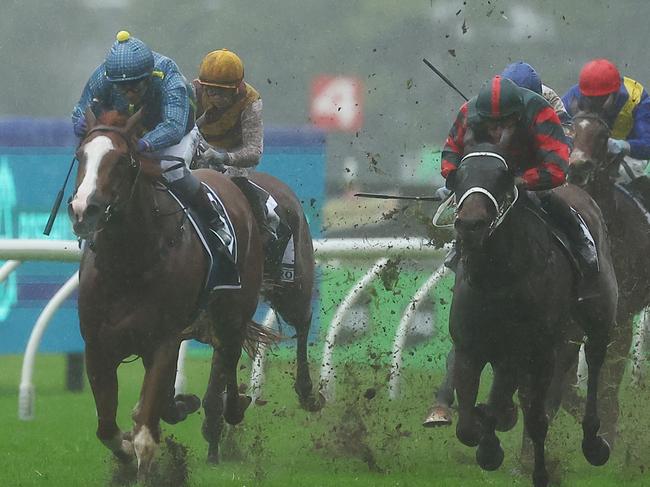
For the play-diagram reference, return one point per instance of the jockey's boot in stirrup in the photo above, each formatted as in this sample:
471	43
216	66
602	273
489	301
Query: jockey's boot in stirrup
257	199
211	214
453	257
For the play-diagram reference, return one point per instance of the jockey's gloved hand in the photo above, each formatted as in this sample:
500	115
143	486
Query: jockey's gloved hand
520	182
215	159
143	146
618	146
443	193
80	127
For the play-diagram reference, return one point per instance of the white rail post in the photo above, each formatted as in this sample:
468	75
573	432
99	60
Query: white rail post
27	393
180	383
7	268
327	366
403	329
257	372
639	347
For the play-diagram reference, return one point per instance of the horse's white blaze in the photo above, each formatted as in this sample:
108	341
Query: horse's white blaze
584	123
145	448
94	151
577	155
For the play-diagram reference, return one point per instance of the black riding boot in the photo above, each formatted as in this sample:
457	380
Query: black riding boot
584	246
257	199
210	213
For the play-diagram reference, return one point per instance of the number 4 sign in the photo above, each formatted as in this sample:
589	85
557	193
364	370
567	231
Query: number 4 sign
336	103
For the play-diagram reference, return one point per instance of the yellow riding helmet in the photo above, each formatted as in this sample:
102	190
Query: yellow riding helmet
221	68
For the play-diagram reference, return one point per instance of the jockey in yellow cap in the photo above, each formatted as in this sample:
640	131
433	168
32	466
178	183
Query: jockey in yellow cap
229	117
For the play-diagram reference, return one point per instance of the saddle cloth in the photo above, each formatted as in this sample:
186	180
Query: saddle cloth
222	263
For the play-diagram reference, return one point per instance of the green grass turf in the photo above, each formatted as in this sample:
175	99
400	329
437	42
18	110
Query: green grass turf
279	444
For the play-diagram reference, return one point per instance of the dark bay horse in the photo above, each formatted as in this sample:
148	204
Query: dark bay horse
514	302
291	296
596	171
141	276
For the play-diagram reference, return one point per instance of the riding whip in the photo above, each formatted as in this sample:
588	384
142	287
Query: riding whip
397	197
444	78
57	201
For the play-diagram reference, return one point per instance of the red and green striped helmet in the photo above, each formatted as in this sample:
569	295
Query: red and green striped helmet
499	98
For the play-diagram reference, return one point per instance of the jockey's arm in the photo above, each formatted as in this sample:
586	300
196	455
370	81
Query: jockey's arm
96	87
551	152
250	152
454	146
639	138
175	111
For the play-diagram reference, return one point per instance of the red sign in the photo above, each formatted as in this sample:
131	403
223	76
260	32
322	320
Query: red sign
337	103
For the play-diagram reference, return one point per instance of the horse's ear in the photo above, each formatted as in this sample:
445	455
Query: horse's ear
91	120
608	106
506	139
133	121
469	140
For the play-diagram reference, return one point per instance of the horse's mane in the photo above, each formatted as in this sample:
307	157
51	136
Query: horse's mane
112	118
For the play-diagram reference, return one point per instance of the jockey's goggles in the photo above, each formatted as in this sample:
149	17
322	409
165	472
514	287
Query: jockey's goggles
135	87
218	91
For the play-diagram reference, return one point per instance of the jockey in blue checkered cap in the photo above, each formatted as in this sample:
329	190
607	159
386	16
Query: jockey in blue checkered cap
134	77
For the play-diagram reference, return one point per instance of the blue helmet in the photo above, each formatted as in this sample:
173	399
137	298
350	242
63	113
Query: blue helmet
129	59
524	76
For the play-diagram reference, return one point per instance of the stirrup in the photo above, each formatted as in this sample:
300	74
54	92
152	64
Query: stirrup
221	234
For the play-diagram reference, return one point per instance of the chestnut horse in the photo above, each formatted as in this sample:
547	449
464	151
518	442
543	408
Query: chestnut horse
291	296
514	302
596	171
141	279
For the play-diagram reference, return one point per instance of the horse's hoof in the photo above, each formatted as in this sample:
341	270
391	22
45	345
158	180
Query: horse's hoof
190	402
507	420
468	436
438	416
313	403
540	479
596	451
237	416
489	454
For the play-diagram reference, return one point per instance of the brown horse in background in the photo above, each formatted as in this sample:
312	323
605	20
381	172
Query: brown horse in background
592	168
292	298
141	276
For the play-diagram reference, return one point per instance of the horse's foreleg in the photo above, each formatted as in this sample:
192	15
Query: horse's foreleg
303	385
612	373
213	407
467	374
595	448
236	403
102	375
533	388
153	401
440	412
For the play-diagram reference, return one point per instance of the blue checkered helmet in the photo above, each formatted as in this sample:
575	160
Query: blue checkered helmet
129	59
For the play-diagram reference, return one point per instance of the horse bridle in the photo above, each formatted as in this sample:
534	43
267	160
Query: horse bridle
134	163
501	209
618	158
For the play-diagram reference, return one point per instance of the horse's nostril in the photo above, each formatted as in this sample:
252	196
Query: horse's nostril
92	211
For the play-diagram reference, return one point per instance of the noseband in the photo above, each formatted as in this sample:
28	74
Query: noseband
501	209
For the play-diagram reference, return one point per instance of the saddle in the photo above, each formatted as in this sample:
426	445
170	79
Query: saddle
567	227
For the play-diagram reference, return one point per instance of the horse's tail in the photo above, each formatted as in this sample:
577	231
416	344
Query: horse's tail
257	335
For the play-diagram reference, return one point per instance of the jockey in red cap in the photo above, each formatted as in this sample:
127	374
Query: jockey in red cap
629	116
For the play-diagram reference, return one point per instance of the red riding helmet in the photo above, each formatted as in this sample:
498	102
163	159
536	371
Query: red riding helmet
599	77
499	98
